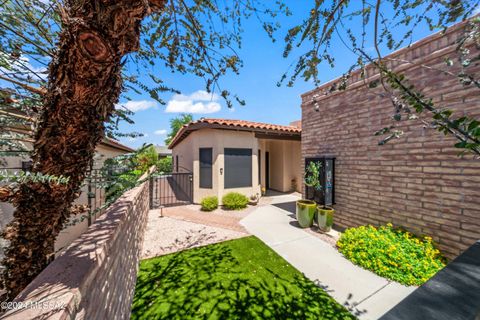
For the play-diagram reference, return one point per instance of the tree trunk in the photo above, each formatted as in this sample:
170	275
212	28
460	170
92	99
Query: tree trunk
84	85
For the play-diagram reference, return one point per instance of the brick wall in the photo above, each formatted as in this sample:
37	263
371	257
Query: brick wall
417	181
95	277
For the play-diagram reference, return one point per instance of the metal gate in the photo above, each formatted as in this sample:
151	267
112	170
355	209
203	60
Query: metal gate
170	190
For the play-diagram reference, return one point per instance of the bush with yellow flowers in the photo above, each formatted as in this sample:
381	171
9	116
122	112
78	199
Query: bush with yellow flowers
392	253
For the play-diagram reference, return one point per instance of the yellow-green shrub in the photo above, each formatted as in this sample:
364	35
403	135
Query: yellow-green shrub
392	253
234	201
209	203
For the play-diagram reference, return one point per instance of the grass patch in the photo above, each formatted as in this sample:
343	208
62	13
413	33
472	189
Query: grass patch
392	253
237	279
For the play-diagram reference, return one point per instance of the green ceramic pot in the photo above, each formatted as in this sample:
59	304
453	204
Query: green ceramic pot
325	218
305	212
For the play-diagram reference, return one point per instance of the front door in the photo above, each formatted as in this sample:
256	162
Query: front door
267	170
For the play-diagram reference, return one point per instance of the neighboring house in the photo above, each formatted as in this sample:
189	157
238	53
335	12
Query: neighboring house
418	181
163	151
106	149
236	155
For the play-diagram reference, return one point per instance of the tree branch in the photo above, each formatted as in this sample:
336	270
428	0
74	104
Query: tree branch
6	194
40	91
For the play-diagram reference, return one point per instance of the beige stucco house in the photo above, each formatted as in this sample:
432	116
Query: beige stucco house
238	156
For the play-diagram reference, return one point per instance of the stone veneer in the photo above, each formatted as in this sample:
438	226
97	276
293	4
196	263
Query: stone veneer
95	277
418	181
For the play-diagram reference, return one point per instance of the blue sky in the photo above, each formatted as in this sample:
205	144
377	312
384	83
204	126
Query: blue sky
263	67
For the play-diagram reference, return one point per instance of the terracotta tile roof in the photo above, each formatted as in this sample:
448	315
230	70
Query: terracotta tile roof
233	125
250	124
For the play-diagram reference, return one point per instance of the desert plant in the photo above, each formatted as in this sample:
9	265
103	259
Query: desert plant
209	203
234	201
392	253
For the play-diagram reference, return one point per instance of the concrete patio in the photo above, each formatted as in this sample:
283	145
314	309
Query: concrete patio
364	293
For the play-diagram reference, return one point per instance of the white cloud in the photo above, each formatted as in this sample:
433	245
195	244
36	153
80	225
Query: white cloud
23	64
139	105
160	132
198	102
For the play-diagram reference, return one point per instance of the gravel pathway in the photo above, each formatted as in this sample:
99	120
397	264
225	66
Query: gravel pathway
166	235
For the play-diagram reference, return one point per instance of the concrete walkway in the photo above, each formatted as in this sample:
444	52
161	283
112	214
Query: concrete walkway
364	293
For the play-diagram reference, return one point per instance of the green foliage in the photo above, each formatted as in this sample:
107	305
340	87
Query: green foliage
123	172
120	183
238	279
22	177
234	201
176	124
165	165
209	203
312	175
146	158
392	253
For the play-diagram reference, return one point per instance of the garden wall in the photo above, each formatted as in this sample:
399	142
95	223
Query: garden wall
94	278
417	181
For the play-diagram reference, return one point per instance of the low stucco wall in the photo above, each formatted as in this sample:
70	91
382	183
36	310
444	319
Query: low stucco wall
95	277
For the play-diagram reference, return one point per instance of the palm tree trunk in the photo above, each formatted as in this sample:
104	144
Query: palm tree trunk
84	85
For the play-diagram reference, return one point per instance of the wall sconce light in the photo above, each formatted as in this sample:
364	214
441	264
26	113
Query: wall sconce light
221	171
316	105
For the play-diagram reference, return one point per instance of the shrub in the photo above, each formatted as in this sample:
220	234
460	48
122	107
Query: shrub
234	201
165	165
392	253
209	203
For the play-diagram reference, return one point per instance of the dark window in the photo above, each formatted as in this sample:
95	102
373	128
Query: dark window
206	167
259	166
238	168
176	163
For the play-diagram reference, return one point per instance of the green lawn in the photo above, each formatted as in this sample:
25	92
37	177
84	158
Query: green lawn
238	279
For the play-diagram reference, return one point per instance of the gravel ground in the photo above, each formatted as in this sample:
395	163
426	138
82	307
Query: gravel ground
167	235
330	237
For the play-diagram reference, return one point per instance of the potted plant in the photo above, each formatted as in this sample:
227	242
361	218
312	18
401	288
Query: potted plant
325	218
305	211
254	199
324	213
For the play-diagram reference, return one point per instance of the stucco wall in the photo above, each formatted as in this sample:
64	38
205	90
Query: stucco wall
285	164
418	181
188	155
285	158
95	277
